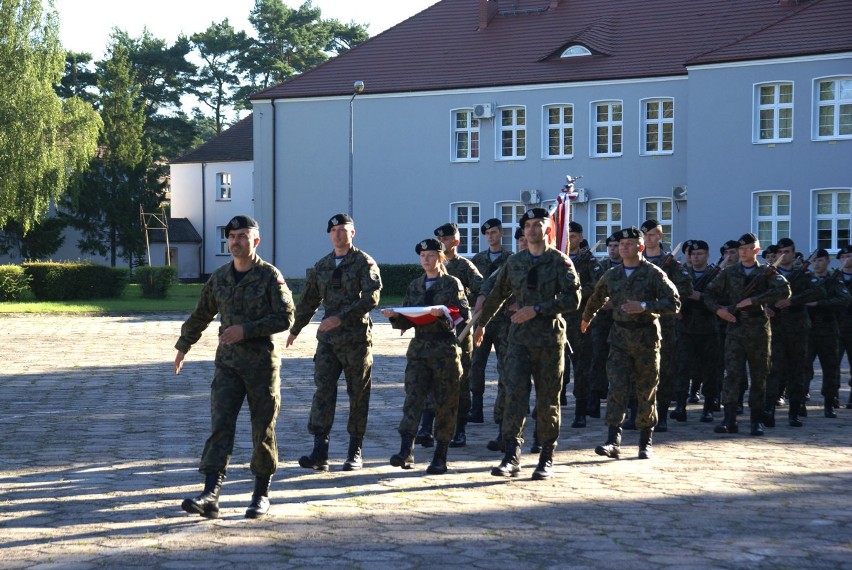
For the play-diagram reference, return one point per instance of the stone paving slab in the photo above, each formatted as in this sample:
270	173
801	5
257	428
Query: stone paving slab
99	443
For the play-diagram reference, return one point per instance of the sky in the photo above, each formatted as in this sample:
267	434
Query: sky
85	25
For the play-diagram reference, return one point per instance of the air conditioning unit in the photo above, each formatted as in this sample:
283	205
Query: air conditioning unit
483	111
679	193
582	195
530	196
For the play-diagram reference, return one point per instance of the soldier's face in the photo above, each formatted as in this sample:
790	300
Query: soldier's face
846	261
612	251
429	260
786	254
731	255
653	237
574	239
534	230
341	235
748	253
242	243
522	244
629	249
494	236
450	242
698	258
820	265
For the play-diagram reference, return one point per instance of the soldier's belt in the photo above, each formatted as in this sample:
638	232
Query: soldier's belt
633	325
434	335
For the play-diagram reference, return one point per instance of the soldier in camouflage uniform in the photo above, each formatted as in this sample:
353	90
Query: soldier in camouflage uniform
677	274
347	283
599	331
487	262
253	303
434	356
824	341
544	285
844	275
749	286
639	293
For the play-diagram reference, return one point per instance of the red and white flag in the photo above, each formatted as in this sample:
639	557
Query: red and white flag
424	316
560	216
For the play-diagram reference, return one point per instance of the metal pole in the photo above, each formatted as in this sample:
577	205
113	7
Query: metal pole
357	88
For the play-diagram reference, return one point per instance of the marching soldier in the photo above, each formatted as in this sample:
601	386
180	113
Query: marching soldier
347	283
600	330
844	275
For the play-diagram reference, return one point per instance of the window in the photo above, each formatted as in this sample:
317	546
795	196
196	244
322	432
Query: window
657	126
465	136
559	131
222	232
513	133
510	215
607	128
834	108
223	185
773	103
832	219
467	218
771	216
659	209
575	51
607	221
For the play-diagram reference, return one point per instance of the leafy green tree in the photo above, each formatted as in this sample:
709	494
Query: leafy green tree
43	139
40	242
79	79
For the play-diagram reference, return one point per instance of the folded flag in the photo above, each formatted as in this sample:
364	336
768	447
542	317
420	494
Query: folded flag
424	316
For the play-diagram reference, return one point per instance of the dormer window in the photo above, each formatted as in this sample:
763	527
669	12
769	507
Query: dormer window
576	50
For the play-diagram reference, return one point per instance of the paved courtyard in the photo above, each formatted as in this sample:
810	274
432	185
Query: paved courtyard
99	443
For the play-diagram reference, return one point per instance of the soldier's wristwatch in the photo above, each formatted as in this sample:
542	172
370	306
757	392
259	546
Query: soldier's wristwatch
644	305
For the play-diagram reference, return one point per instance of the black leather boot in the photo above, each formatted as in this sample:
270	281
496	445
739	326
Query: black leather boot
756	421
662	416
645	449
828	409
460	437
612	447
439	459
354	461
593	409
425	435
793	413
803	409
769	416
474	416
496	444
679	413
510	466
632	409
707	411
544	469
318	459
259	505
207	503
580	413
729	424
405	457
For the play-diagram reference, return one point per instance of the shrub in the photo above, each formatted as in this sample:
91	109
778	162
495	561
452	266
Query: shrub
13	282
156	281
396	278
52	281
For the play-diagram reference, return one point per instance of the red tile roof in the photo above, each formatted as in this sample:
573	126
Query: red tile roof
443	47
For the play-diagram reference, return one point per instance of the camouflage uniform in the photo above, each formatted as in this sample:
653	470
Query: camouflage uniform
845	322
634	353
578	350
536	347
434	357
599	330
824	341
348	290
263	305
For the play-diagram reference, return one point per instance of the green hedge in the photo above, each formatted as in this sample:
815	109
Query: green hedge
13	282
396	278
53	281
156	281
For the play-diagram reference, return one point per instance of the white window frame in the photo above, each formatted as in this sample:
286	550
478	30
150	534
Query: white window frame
839	222
510	220
614	129
836	104
472	130
516	129
561	126
222	235
663	124
776	108
779	223
659	203
602	229
469	229
223	186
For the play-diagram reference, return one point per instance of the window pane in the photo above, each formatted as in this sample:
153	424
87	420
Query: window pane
616	138
474	144
568	114
553	148
616	212
568	141
785	123
668	109
652	110
521	117
783	229
461	145
783	204
667	210
843	203
845	89
824	203
668	143
602	113
786	95
461	120
553	116
616	112
846	119
767	94
826	90
764	232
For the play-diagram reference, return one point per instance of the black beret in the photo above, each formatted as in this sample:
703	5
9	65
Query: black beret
628	233
694	244
649	225
534	214
519	233
337	220
746	239
730	244
611	238
429	244
448	229
584	243
492	223
821	253
574	227
785	242
844	249
242	223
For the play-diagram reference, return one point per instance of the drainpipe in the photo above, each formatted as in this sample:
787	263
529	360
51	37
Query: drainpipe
274	188
203	218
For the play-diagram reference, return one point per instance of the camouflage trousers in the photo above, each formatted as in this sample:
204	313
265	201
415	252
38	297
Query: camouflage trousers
496	335
355	361
464	384
748	343
230	387
633	368
827	348
697	359
599	331
433	369
668	360
789	342
546	366
578	356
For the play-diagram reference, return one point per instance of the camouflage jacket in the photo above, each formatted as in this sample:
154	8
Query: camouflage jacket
548	281
488	269
729	287
696	317
465	271
349	290
826	314
589	271
676	273
447	291
804	288
261	302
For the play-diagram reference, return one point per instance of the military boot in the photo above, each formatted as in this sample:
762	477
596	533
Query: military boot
536	444
645	449
544	469
679	413
632	410
662	416
260	498
769	416
510	466
318	459
207	503
707	411
803	409
729	424
593	409
580	413
756	421
405	457
475	416
354	461
611	448
496	444
425	435
439	460
793	413
828	409
459	437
